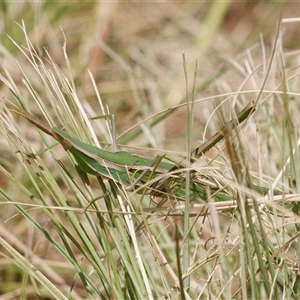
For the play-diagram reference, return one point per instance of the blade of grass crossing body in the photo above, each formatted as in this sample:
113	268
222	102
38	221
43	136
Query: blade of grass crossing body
112	128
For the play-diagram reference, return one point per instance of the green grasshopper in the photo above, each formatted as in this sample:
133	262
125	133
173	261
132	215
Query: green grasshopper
132	170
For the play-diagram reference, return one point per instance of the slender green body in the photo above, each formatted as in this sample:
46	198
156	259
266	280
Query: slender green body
168	178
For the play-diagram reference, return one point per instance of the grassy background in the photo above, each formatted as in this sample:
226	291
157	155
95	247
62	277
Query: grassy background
134	52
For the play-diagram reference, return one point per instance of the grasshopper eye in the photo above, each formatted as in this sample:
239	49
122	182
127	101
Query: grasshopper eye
66	143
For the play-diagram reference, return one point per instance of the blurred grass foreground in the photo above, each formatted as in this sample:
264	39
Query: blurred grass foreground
156	80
